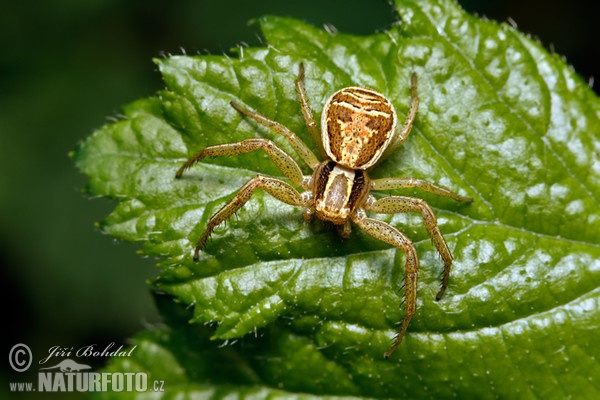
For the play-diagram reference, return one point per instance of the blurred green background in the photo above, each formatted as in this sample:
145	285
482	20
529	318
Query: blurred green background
66	67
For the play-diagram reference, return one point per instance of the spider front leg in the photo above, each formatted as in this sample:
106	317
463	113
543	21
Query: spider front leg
282	160
397	204
275	187
401	204
388	234
405	183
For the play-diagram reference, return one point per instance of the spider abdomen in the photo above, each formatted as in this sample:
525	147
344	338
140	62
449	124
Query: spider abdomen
357	126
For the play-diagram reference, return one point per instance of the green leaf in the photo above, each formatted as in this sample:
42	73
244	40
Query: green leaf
180	360
500	120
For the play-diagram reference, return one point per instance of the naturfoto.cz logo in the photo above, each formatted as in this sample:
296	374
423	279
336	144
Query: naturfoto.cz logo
71	376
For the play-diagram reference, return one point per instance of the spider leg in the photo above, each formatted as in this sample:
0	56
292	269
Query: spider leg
309	118
284	161
404	183
404	131
299	146
400	204
388	234
275	187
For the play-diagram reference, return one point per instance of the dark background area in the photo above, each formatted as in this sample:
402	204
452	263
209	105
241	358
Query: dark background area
66	67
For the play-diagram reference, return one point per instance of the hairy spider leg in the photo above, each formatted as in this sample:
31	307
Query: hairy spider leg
406	127
275	187
399	204
309	118
388	234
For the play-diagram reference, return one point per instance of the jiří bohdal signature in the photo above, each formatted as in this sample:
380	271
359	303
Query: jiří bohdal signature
87	351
